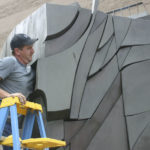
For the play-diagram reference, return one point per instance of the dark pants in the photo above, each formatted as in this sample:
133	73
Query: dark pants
7	131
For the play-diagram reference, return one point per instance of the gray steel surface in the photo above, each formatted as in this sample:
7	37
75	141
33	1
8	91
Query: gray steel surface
82	74
138	54
99	58
108	32
69	37
122	54
121	27
111	51
60	18
136	85
96	88
93	72
136	125
113	130
136	35
90	128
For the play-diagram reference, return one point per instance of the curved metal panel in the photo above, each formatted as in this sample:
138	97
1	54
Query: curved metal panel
121	55
136	125
99	58
136	35
55	129
108	32
72	128
112	134
142	143
83	69
69	37
88	131
121	26
59	19
111	51
56	80
135	86
95	89
137	54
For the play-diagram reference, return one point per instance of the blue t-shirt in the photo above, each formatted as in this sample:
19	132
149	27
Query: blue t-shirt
16	77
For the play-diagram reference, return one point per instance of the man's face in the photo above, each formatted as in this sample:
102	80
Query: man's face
25	54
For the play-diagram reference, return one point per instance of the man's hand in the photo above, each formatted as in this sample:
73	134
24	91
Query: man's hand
4	94
21	97
2	138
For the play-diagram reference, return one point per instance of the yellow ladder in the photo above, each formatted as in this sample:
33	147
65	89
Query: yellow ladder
30	110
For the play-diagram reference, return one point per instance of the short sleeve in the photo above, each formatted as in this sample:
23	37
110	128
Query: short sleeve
6	66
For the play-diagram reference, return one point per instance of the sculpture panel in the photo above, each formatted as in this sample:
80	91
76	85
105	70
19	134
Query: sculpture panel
93	70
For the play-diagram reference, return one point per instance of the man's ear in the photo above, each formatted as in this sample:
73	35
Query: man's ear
17	51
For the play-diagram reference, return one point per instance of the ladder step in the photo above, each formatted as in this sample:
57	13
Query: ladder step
2	138
41	143
8	141
35	143
31	110
21	109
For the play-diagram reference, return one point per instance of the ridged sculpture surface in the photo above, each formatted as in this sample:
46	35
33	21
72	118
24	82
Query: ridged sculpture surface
92	76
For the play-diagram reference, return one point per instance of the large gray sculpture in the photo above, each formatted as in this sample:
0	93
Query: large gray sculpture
92	76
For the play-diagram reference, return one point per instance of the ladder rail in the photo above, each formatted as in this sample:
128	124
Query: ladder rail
3	118
15	129
32	111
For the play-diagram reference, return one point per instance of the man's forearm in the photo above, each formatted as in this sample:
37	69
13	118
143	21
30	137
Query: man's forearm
4	94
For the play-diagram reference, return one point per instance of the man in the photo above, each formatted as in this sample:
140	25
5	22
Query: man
16	76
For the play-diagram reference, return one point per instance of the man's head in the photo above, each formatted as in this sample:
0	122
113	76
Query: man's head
22	47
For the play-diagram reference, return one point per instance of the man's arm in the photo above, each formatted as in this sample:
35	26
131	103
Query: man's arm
5	94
